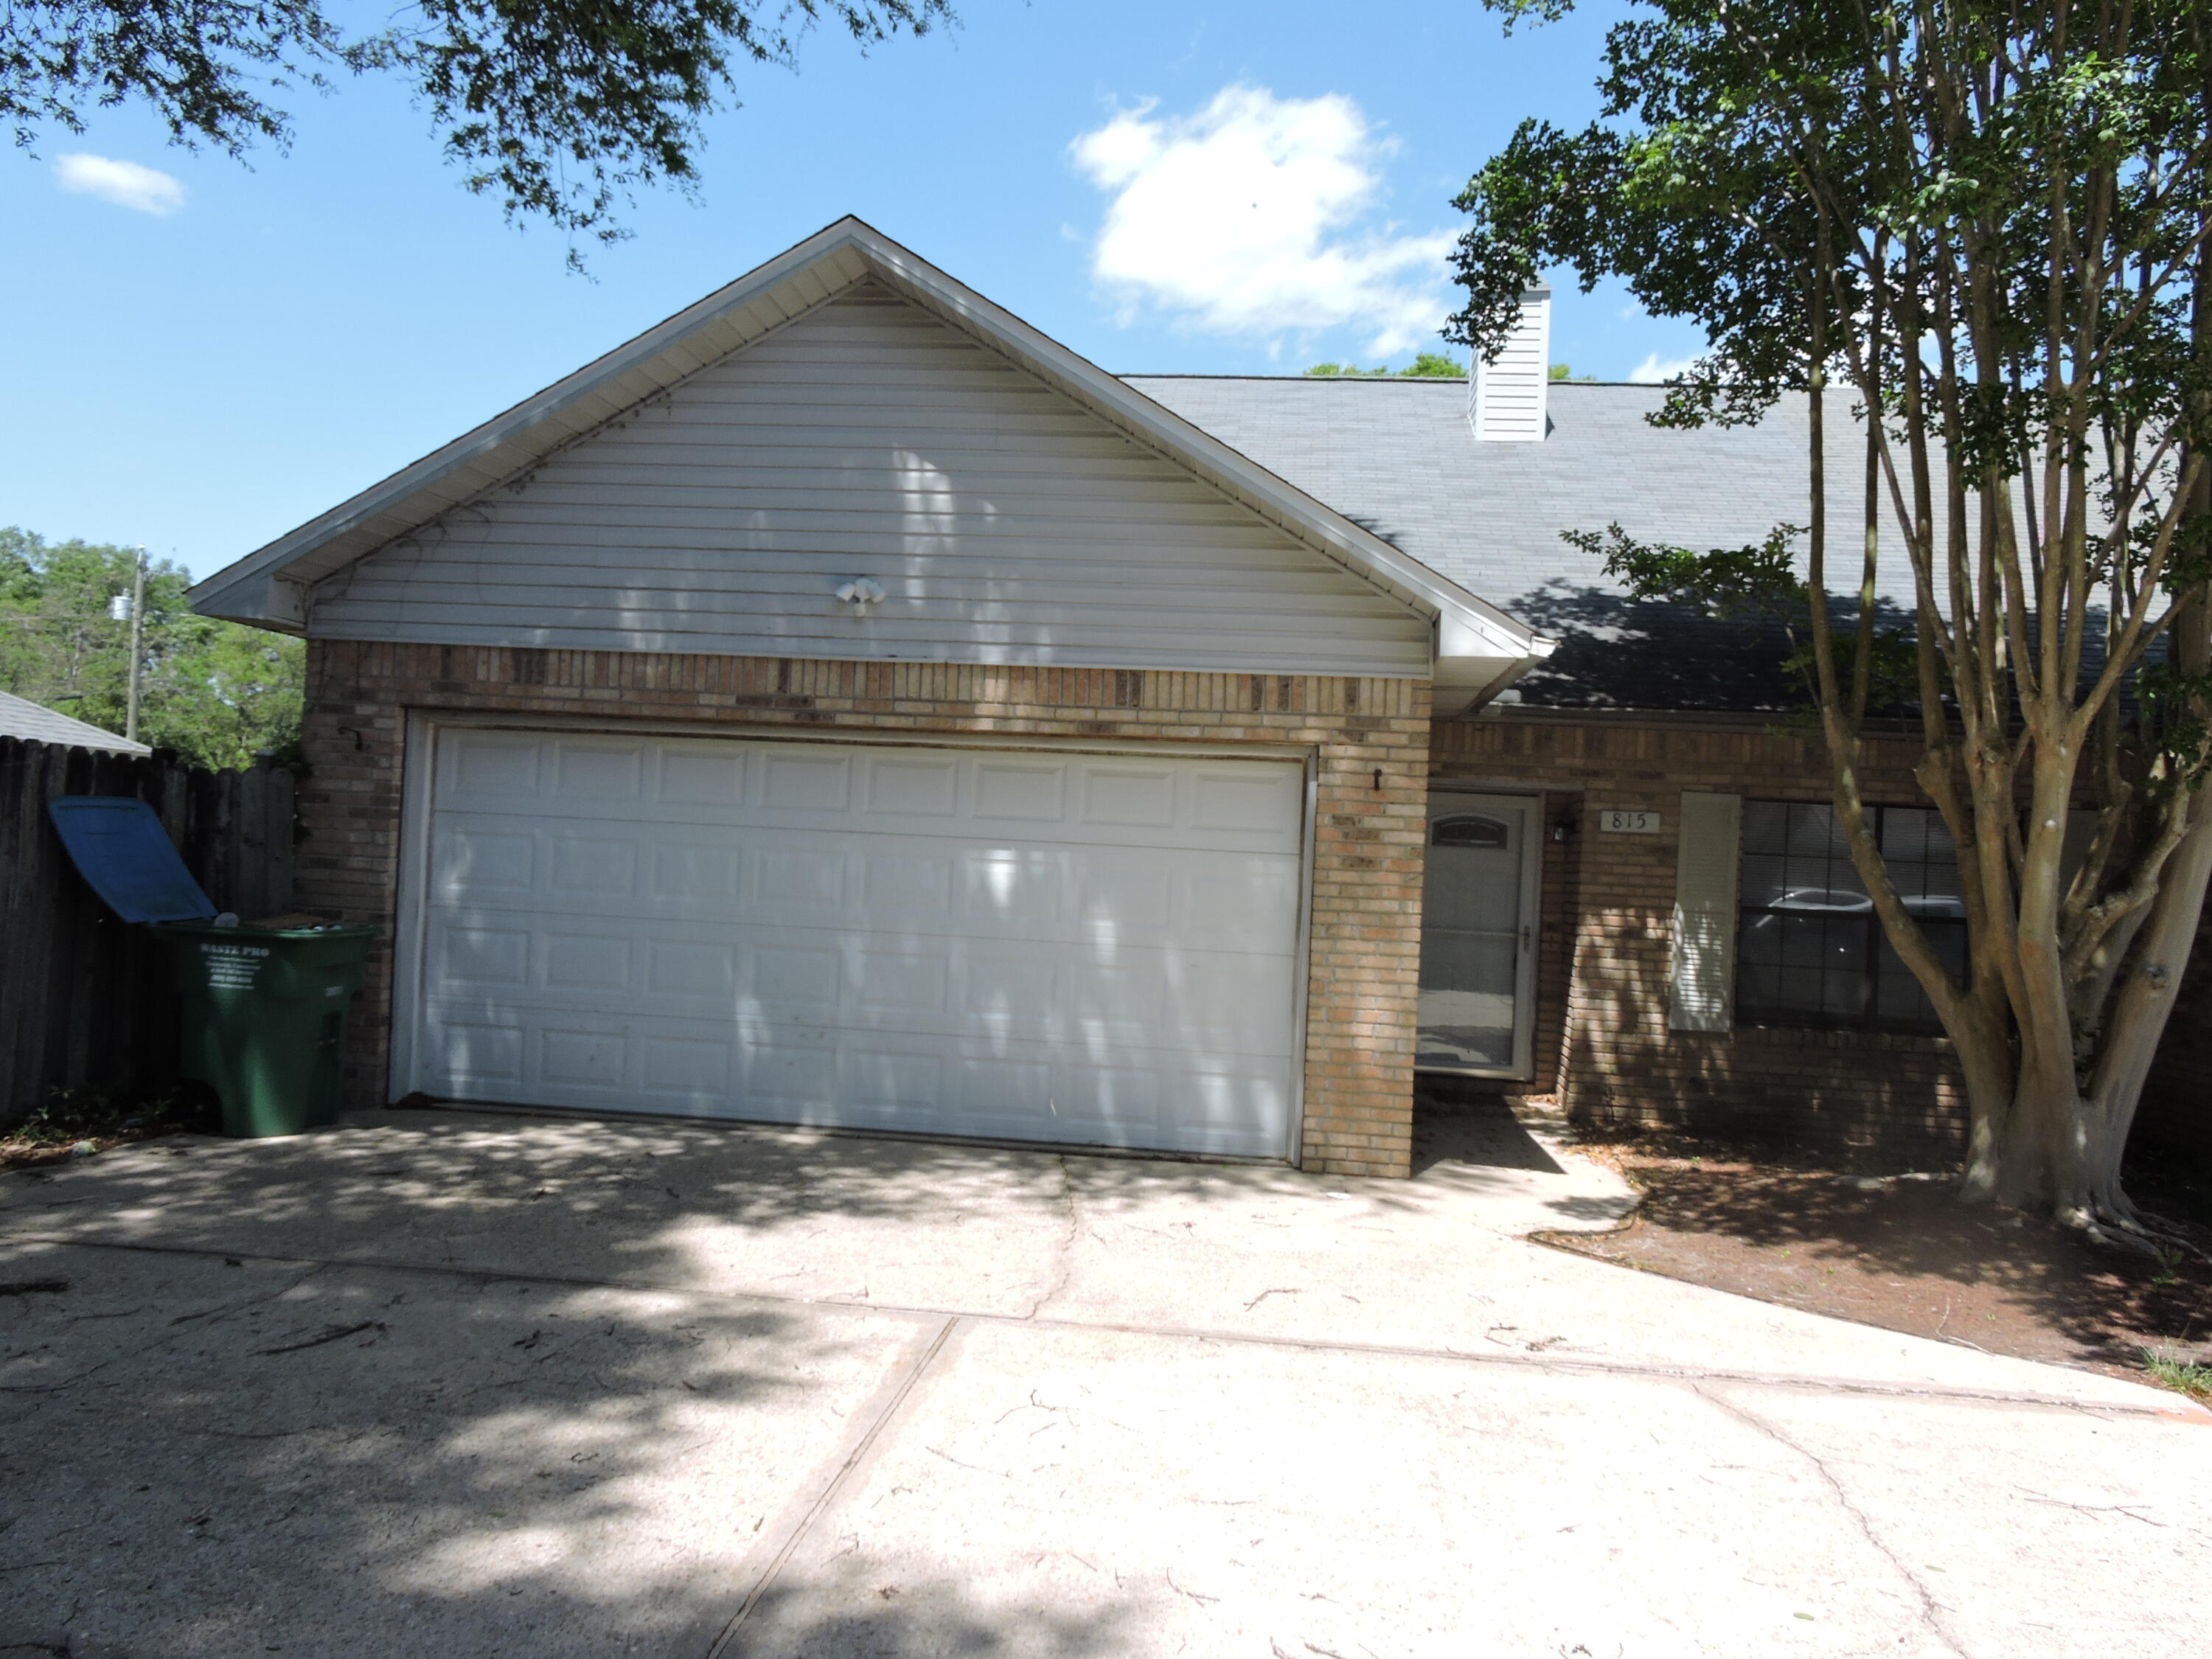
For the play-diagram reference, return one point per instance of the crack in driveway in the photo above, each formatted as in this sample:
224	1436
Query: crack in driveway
1931	1614
1064	1255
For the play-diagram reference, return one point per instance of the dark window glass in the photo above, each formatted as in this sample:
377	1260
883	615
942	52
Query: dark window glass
1468	829
1810	950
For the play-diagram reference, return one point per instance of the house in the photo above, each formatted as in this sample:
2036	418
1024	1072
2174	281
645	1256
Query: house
843	704
34	722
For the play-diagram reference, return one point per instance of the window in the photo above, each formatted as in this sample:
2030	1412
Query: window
1468	829
1810	950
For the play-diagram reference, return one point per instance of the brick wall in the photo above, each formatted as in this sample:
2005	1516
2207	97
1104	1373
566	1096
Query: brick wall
1370	737
1605	939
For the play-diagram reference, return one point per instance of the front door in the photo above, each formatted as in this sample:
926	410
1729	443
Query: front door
1478	936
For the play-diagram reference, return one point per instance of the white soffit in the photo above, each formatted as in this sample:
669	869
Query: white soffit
268	586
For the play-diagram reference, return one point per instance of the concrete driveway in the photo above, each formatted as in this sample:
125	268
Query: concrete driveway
437	1384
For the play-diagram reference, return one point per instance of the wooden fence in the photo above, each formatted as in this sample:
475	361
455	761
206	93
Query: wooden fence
87	1001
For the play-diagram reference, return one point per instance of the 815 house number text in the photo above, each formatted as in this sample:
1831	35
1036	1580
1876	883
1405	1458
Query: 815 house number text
1628	823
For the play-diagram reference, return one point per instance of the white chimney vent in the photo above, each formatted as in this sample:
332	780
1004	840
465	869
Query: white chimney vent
1508	395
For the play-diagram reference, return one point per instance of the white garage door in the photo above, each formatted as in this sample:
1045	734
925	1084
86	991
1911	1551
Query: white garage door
1081	948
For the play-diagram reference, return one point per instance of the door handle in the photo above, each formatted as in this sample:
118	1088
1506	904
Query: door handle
1526	940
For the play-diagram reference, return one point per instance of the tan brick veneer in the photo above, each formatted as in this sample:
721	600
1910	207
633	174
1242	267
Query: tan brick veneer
1602	1041
1370	737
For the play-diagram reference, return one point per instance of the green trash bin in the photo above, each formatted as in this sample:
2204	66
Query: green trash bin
264	1017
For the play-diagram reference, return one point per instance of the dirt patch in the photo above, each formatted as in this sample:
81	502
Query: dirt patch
1900	1251
76	1123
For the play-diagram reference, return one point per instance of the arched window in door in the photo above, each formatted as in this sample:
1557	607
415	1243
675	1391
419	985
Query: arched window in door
1467	829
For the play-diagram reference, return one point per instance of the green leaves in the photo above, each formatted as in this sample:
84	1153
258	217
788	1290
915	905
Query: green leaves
214	692
1434	366
1969	244
561	109
1726	582
1546	191
1426	365
2174	704
204	67
1979	231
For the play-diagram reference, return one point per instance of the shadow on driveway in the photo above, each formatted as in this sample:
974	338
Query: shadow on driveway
1479	1131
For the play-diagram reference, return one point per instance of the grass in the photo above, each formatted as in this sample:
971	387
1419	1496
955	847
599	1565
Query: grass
2195	1381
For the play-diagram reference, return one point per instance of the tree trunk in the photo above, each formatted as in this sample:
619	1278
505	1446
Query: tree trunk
2041	1142
2140	1005
1984	1051
2039	1147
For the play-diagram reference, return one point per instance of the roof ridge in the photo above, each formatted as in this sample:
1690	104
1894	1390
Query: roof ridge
1370	380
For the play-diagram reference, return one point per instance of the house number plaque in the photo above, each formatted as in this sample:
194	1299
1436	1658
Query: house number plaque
1616	822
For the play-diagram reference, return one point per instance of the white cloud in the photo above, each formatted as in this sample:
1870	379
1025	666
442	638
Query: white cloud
1652	371
1252	217
123	183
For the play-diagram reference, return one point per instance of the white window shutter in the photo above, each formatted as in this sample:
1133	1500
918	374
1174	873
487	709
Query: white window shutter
1701	982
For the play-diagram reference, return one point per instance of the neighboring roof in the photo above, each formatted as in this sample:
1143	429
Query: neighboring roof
1398	456
268	586
36	723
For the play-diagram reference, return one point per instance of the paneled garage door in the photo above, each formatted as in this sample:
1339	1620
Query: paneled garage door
1082	948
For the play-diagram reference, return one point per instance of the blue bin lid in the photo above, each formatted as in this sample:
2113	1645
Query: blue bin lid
125	855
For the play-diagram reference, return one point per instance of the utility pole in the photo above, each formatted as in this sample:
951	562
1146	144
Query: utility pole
137	646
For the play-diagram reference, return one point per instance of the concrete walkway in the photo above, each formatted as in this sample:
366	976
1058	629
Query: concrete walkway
439	1383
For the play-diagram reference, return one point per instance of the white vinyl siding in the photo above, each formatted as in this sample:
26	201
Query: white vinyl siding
1701	983
1510	394
1092	949
1005	523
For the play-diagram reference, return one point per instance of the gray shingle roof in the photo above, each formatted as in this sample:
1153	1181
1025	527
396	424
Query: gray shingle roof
36	723
1398	457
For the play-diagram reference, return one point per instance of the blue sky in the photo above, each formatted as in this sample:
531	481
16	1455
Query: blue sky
202	354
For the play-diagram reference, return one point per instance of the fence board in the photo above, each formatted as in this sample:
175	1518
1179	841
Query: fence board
22	767
86	1000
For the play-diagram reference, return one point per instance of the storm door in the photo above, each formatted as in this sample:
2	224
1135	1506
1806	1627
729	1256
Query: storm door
1479	935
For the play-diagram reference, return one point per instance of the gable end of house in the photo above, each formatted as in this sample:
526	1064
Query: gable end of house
870	441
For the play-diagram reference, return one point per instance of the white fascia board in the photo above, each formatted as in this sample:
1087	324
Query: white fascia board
1463	684
824	264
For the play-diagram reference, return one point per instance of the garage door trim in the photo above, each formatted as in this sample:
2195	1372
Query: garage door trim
424	728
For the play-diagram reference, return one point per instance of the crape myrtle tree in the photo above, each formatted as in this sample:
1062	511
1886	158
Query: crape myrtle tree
562	108
1975	233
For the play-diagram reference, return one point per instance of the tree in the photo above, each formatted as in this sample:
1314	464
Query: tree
561	109
1426	365
216	692
1977	234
